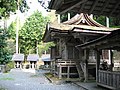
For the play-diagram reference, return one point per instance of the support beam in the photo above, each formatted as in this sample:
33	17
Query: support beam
93	6
86	55
104	6
111	60
69	8
79	65
116	6
82	6
97	55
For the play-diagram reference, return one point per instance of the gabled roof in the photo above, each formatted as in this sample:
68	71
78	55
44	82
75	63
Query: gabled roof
98	7
83	19
18	57
79	23
33	57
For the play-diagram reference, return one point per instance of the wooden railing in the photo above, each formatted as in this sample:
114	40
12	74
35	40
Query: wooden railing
109	79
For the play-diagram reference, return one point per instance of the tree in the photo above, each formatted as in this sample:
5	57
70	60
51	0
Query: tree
42	47
4	54
8	6
31	33
12	30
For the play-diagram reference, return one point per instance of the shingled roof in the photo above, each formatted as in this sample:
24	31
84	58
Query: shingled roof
82	21
18	57
79	23
33	57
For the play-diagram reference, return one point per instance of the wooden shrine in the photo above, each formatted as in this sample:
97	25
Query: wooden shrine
68	60
32	60
109	79
18	60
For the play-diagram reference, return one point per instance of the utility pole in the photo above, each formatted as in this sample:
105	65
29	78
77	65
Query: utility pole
17	27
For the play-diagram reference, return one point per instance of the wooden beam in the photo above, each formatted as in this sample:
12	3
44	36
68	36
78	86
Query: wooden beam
86	55
116	6
97	55
81	8
104	6
93	6
73	6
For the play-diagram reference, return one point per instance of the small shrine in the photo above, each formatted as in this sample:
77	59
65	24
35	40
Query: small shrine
32	60
18	60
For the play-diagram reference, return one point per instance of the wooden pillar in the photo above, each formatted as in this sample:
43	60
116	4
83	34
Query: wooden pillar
79	64
97	55
111	60
86	55
21	64
17	64
68	72
60	72
32	65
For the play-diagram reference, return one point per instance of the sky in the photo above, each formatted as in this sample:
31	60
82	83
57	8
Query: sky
34	5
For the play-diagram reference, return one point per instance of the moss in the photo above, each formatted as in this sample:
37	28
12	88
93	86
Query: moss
7	78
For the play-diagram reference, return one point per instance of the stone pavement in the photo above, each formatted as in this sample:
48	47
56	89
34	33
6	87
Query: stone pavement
89	86
19	80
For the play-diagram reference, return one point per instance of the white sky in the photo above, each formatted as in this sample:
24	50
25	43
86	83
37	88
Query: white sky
34	5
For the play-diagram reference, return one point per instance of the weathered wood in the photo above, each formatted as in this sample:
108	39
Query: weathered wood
60	71
86	55
97	55
69	8
109	79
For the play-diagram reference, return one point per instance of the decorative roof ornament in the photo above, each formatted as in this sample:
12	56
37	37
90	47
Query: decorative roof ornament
83	19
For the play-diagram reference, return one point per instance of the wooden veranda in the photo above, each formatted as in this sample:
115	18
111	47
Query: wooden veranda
107	78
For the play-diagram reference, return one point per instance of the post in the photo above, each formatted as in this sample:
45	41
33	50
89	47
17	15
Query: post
58	18
17	28
97	55
111	59
68	16
60	71
68	72
86	55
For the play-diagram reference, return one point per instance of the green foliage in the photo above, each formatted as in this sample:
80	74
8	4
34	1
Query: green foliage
8	6
64	17
4	54
42	47
9	66
100	19
31	33
11	30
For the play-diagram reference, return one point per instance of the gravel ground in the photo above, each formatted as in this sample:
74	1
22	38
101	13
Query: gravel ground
19	80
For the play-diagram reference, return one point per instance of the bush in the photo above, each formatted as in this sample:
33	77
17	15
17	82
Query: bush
9	66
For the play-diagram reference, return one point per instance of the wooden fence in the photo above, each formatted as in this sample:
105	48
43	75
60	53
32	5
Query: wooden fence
109	79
